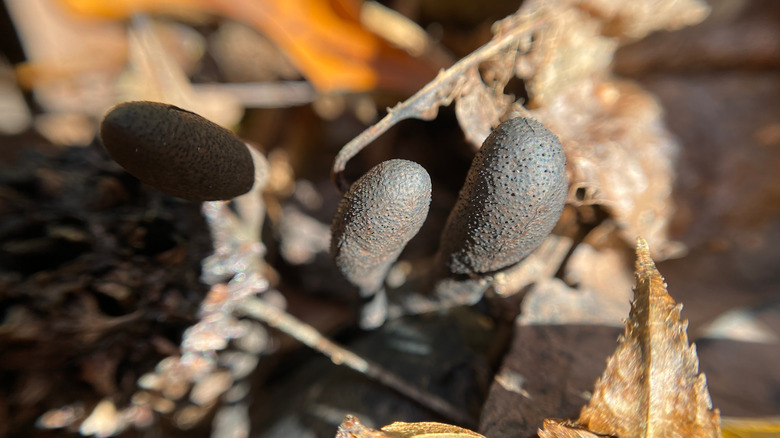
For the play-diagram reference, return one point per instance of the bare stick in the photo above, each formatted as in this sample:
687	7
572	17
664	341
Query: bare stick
426	102
264	94
308	335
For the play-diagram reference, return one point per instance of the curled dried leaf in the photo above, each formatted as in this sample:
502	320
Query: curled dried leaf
620	155
481	105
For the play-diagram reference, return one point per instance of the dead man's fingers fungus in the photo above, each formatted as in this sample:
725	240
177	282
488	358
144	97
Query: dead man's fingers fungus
513	196
375	220
178	152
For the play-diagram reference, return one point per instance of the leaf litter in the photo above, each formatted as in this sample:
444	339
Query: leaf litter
651	385
620	154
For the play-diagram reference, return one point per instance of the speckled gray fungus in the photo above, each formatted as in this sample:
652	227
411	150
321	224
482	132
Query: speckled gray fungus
177	152
512	198
375	220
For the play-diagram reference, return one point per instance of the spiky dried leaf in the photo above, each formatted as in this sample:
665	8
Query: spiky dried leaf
651	386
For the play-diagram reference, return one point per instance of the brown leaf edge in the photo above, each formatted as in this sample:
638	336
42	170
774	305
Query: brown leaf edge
352	428
651	386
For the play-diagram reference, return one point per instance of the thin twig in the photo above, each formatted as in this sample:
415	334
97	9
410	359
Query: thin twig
308	335
425	103
264	94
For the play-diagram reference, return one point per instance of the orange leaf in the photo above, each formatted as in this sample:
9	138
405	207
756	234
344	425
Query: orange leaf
323	38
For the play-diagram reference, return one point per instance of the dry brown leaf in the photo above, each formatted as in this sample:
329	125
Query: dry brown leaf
595	289
640	18
481	101
74	68
554	429
428	430
152	74
620	154
70	64
479	107
651	386
351	428
582	36
570	49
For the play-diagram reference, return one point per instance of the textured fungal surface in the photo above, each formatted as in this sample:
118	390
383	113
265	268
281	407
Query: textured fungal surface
513	196
177	152
376	218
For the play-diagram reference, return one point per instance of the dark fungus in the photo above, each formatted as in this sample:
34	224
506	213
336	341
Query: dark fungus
513	196
375	220
177	152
